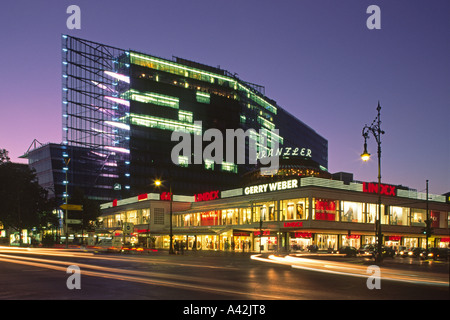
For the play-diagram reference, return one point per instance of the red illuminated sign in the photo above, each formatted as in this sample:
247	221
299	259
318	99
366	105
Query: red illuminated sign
142	197
207	196
385	189
265	233
165	196
241	234
296	224
305	235
143	230
115	203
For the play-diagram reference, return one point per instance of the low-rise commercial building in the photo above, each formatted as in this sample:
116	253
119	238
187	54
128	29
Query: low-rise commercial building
288	215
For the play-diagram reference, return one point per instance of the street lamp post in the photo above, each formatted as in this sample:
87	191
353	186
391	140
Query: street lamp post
170	222
66	182
375	129
159	183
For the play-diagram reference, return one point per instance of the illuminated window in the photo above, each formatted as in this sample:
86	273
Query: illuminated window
295	209
230	167
265	211
352	211
183	161
152	97
399	216
325	209
165	124
203	97
209	164
198	74
245	216
185	116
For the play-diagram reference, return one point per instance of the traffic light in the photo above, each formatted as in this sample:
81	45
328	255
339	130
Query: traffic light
428	230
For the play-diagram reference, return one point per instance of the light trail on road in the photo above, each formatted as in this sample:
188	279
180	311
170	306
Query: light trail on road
178	281
349	269
90	255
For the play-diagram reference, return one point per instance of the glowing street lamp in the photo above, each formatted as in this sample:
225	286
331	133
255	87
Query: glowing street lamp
158	183
375	129
365	156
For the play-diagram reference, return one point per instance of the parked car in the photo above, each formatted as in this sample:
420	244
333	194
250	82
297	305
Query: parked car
386	252
366	250
415	252
436	254
348	251
403	252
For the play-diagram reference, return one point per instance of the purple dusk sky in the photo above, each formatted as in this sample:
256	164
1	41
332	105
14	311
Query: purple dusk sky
317	59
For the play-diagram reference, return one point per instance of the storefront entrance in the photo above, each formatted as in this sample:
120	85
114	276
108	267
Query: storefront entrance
300	241
327	241
242	241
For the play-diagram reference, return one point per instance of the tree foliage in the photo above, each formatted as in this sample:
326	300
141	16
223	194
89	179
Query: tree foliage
4	156
24	204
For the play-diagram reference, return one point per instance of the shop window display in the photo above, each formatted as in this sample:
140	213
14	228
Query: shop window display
265	211
326	241
352	211
245	216
371	213
399	216
295	209
325	209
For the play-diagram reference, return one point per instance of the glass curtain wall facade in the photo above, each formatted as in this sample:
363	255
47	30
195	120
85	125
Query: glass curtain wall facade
93	77
124	106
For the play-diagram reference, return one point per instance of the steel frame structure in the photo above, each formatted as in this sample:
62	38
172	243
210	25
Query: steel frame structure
94	117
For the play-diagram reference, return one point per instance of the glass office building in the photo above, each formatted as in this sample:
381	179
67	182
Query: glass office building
124	105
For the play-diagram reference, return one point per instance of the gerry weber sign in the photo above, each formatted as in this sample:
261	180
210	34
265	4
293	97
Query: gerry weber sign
273	186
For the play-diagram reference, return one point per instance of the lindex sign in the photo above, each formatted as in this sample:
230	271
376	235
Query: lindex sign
385	189
207	196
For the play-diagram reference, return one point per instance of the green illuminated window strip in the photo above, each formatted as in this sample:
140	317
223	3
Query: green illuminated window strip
172	67
183	161
230	167
152	97
178	69
266	123
251	95
185	116
203	97
209	164
164	124
271	135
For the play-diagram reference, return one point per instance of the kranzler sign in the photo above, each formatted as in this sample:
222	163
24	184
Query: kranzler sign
273	186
